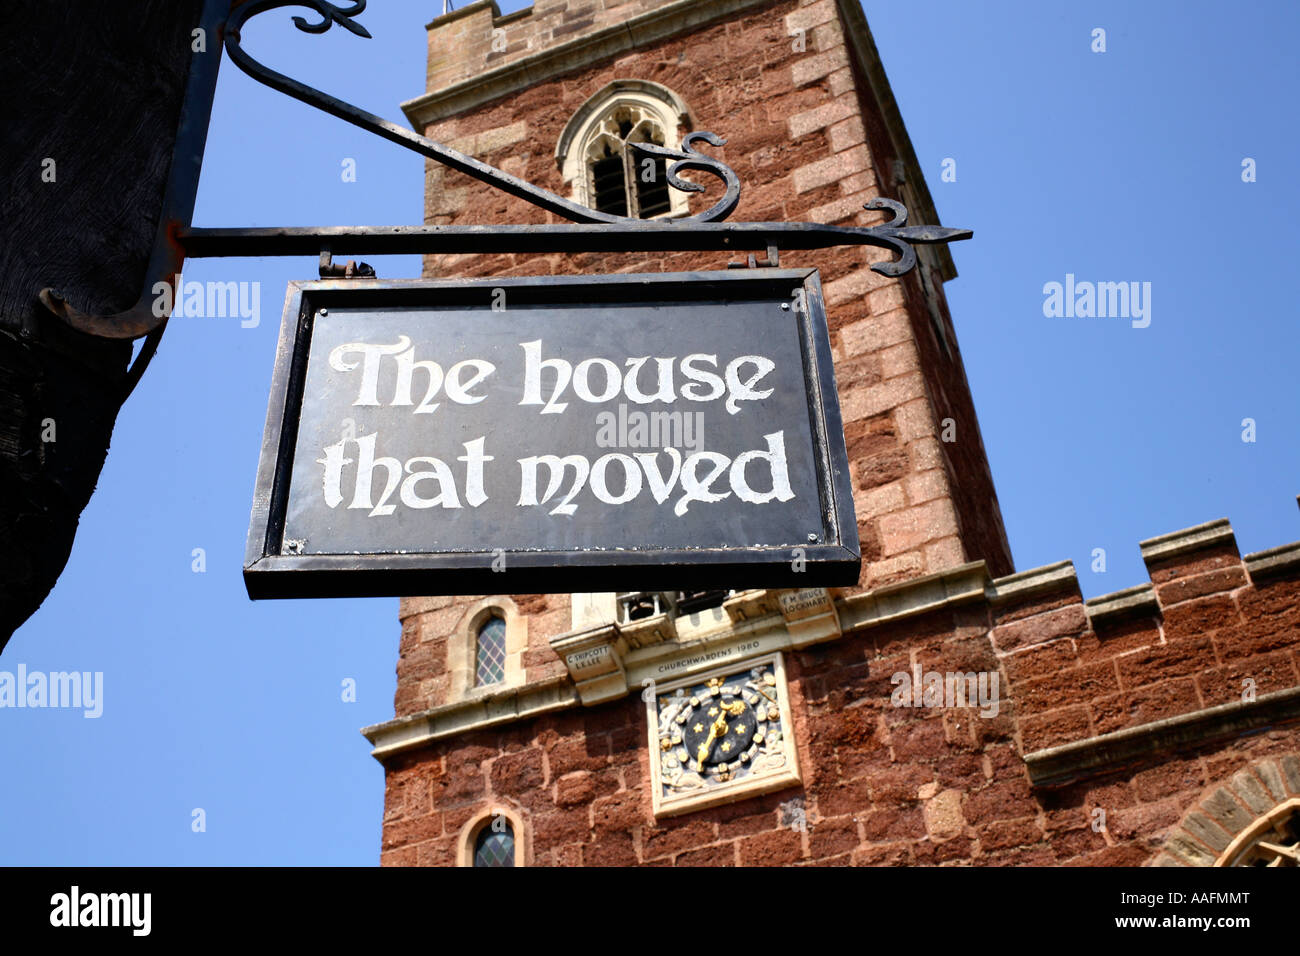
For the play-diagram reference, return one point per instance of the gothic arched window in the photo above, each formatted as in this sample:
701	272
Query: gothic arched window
1249	819
490	652
597	157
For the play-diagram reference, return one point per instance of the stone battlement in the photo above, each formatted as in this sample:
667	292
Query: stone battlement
1211	629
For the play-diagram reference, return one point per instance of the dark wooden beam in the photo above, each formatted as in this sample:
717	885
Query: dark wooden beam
91	118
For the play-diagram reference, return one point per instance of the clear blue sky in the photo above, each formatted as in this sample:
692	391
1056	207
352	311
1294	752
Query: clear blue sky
1115	166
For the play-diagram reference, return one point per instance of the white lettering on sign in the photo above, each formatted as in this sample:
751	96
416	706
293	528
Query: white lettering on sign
457	382
736	384
627	480
357	475
433	469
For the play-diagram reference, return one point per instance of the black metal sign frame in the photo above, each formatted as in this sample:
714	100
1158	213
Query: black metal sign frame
833	552
273	566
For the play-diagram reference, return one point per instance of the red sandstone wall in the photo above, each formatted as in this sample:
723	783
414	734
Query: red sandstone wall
467	49
891	785
1214	629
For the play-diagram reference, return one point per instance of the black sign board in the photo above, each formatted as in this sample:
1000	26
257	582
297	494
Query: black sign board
531	435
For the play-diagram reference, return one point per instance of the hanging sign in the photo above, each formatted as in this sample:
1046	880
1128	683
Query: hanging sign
534	435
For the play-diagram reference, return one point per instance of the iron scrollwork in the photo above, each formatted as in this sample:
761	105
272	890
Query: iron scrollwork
685	158
895	234
587	230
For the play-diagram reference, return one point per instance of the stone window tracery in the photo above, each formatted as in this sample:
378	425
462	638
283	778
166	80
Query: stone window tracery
1249	819
599	163
1273	840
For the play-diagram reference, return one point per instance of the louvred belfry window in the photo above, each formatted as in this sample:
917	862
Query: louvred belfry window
624	181
598	157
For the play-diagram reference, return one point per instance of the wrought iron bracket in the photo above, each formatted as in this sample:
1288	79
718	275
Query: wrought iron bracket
588	230
329	269
773	261
650	235
687	157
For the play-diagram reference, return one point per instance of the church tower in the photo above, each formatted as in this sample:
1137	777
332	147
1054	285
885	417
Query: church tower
554	94
945	709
